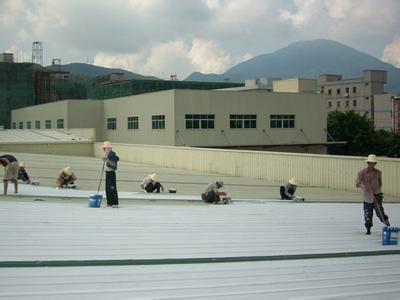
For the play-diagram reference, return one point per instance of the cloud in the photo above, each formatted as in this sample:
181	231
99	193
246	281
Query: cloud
306	10
391	52
9	10
173	57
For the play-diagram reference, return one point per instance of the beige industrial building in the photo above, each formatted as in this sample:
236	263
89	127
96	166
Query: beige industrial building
294	122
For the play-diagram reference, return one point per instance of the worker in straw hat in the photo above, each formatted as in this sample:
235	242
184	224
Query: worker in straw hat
287	191
22	174
66	178
110	159
212	193
151	184
10	164
369	180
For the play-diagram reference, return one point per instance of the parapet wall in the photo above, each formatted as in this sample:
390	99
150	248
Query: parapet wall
326	171
77	148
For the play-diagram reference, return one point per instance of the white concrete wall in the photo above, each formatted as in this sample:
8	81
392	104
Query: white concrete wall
309	110
144	106
337	172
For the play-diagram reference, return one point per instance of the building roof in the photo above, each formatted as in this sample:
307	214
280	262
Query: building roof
59	248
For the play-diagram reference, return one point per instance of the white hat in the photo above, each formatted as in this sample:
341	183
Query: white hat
153	177
371	158
23	164
292	181
67	170
106	144
220	183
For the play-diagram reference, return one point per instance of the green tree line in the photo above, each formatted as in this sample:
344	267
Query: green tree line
361	136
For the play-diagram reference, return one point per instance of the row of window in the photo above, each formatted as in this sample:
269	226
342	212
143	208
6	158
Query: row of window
347	103
47	124
206	121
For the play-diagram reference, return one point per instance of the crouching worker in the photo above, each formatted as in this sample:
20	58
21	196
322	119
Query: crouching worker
151	184
66	178
287	191
11	166
22	174
212	195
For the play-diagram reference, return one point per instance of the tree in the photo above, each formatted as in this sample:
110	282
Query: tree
361	136
355	129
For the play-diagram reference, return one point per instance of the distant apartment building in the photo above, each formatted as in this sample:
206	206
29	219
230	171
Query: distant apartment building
364	95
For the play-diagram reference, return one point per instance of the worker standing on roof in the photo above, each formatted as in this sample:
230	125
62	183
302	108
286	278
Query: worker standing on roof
10	163
370	181
111	160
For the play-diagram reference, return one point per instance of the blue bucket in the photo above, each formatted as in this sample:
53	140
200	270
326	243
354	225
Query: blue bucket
389	235
95	200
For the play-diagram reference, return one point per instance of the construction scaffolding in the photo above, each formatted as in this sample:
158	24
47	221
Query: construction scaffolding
16	89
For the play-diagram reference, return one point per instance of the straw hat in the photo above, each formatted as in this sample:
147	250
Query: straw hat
292	181
23	164
106	144
67	170
220	183
371	159
153	177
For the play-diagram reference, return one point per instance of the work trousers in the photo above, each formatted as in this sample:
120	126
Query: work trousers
210	197
369	211
150	187
111	188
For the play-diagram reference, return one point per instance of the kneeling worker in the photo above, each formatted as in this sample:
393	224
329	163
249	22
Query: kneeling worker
66	178
287	191
151	184
211	194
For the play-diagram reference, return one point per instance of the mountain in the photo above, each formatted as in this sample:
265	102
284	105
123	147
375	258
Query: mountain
92	71
307	59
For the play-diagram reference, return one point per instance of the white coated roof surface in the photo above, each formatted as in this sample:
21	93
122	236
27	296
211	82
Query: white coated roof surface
53	246
35	135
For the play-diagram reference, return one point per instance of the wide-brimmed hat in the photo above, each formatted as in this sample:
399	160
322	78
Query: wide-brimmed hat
293	181
371	159
220	183
67	170
153	177
23	164
106	144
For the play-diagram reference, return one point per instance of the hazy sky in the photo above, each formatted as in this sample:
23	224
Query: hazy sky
163	37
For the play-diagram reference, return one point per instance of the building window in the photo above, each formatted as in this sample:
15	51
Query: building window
329	104
347	103
322	89
133	122
60	123
199	121
158	122
28	124
37	124
347	90
112	123
354	89
338	92
338	103
366	98
14	125
282	121
21	125
48	124
329	92
354	102
243	121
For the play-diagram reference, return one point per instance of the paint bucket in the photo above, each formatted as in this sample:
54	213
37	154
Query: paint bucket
95	200
172	191
389	235
35	183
